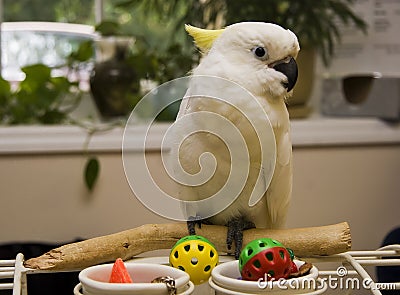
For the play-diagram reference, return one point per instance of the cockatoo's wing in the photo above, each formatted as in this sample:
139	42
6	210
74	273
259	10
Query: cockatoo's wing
248	146
279	193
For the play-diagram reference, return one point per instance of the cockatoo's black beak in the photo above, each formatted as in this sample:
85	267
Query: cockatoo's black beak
289	69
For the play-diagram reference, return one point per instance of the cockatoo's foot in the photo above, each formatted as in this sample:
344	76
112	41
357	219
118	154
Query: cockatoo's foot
191	224
235	233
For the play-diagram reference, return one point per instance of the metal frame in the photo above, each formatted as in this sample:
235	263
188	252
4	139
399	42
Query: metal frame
15	270
351	265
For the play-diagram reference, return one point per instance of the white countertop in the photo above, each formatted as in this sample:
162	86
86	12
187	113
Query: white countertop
305	133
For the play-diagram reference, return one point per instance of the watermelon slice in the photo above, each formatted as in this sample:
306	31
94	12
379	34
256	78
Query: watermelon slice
293	267
119	273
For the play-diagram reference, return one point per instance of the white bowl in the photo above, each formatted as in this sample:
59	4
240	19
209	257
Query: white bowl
225	279
94	280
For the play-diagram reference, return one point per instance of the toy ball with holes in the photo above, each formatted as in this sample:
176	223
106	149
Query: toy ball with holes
265	258
196	256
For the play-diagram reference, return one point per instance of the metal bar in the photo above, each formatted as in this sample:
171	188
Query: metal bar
390	247
374	253
326	273
98	11
6	286
19	268
6	274
363	273
7	268
354	261
7	262
24	284
388	250
379	262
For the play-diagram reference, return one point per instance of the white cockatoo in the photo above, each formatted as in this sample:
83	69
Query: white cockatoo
259	57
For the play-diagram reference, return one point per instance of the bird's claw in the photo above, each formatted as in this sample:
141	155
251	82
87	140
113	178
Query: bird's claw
192	222
235	233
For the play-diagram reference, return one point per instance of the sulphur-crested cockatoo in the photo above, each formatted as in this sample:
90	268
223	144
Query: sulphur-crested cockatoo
260	57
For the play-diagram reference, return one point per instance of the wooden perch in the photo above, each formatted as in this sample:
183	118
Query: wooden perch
324	240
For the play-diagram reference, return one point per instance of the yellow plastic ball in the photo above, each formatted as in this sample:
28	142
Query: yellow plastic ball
196	256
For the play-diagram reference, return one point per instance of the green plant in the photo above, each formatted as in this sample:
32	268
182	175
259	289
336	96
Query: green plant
316	23
42	98
152	63
92	167
39	98
149	62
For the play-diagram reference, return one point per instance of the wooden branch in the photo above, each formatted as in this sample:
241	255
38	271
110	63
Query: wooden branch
324	240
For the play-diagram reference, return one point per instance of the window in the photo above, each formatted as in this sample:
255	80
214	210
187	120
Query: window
43	31
26	43
47	31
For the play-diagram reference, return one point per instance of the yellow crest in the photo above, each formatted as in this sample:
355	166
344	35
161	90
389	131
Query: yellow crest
203	38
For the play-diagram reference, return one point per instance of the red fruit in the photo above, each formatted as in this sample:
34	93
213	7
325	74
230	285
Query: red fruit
293	267
119	273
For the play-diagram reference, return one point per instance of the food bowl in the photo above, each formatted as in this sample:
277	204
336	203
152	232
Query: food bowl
94	280
199	289
225	279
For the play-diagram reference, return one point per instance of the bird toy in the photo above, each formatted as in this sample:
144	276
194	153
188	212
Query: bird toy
266	258
196	256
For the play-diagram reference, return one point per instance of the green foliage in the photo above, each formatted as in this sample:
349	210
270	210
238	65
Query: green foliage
160	65
109	28
91	172
315	22
196	12
37	99
73	11
152	62
84	53
5	93
42	98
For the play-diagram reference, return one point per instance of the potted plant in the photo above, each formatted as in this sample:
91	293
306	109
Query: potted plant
316	23
45	98
124	61
114	82
39	99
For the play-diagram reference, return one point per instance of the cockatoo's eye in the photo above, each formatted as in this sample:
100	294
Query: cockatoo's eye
260	52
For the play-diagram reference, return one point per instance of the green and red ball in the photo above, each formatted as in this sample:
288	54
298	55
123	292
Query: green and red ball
266	257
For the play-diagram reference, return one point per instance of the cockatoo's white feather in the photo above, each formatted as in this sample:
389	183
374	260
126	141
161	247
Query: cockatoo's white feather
231	56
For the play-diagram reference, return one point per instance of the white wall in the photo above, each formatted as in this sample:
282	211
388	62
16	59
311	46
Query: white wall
358	184
43	198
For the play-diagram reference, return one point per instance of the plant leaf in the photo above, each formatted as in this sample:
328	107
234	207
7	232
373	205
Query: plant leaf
108	28
5	92
92	170
84	52
51	117
37	73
